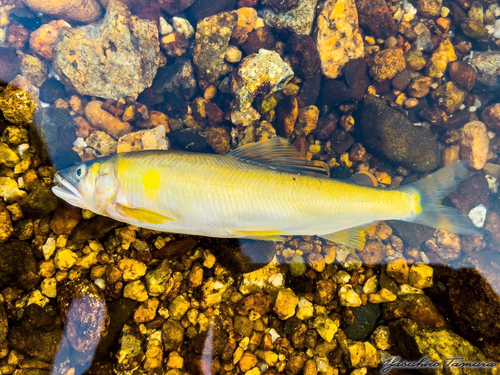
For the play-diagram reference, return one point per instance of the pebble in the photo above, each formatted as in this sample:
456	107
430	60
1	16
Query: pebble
17	105
34	69
478	215
421	276
440	58
326	327
398	270
17	36
375	16
211	41
136	291
285	304
146	311
174	44
338	37
487	66
85	59
387	63
6	228
64	259
370	285
491	116
132	269
164	27
247	18
256	72
462	74
474	144
103	143
77	10
429	8
51	90
305	309
348	297
307	120
153	139
381	338
296	21
105	121
361	354
183	27
449	97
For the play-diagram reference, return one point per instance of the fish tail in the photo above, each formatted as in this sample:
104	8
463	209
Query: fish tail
428	193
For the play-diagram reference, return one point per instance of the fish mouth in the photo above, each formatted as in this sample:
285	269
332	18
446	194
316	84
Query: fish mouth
65	190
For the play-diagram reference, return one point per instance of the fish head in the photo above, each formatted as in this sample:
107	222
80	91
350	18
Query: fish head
91	185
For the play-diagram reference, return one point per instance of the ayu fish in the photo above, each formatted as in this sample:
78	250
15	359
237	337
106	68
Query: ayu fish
262	190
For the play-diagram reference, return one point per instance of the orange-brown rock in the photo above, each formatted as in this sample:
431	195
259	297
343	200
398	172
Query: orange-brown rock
105	121
387	64
85	11
491	116
42	40
475	143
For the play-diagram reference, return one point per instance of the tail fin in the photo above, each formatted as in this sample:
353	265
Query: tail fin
431	190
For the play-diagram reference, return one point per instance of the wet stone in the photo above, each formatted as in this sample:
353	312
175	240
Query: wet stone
51	90
401	80
177	78
487	65
261	38
9	65
417	307
6	228
304	56
105	121
298	20
285	304
281	6
18	265
203	9
491	116
39	202
375	16
172	334
421	276
356	75
475	143
387	64
17	105
462	74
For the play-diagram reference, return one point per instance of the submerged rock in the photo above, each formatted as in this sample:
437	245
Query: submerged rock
78	10
338	37
375	16
388	133
259	74
18	265
487	65
113	58
298	20
17	105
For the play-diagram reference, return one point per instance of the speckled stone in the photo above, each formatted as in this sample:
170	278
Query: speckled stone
78	10
113	58
211	41
338	37
298	20
475	143
259	74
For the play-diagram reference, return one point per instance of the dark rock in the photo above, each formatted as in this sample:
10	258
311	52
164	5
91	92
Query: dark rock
243	325
340	173
10	66
173	105
17	36
263	37
259	302
389	134
4	324
172	333
51	90
470	193
95	229
287	111
487	66
326	125
356	76
281	6
304	56
341	141
375	16
83	308
26	17
215	337
333	92
36	334
417	307
202	9
39	202
474	291
188	140
365	318
309	91
177	78
175	249
401	80
413	235
242	256
175	6
415	340
462	74
53	134
388	283
325	291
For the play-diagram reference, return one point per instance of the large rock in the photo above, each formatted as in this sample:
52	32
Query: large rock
113	58
297	21
17	265
338	36
390	134
415	340
487	65
375	16
79	10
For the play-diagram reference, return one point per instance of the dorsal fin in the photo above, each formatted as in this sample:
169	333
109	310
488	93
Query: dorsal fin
277	153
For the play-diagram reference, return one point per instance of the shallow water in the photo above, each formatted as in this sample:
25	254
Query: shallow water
385	92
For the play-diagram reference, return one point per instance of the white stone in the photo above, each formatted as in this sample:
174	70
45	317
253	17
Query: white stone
182	26
49	248
478	215
164	27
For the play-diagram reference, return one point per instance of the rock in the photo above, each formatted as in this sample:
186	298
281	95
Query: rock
17	105
401	80
415	60
356	76
388	133
103	143
359	354
387	63
36	334
211	41
188	140
233	54
415	340
365	318
6	228
376	17
261	38
203	9
52	134
421	275
348	297
9	65
449	97
417	307
43	39
247	118
462	74
285	304
17	36
491	116
4	324
18	265
172	334
381	338
338	37
51	90
419	87
130	354
156	280
34	69
77	10
243	256
136	291
259	74
65	219
39	202
398	270
9	158
174	44
445	53
153	139
474	145
105	121
326	126
326	328
298	20
303	54
83	308
470	193
487	66
445	244
218	138
306	120
473	291
429	8
178	78
121	50
281	6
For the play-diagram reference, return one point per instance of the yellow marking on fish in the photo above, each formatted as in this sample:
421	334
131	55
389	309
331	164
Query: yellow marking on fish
259	234
415	203
151	182
142	215
122	166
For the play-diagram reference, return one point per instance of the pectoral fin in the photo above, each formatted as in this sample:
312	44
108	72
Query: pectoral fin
352	237
142	215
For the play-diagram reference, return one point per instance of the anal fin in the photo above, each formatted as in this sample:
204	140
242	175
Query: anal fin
352	237
142	215
262	235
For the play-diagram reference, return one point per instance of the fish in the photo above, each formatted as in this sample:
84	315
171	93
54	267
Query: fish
263	191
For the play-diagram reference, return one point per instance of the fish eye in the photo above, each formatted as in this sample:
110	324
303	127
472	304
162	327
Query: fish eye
80	172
